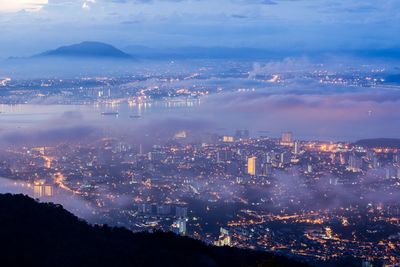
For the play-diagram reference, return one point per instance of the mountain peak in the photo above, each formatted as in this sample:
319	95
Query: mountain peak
87	49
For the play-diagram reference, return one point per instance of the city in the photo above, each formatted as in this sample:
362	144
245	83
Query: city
310	199
229	133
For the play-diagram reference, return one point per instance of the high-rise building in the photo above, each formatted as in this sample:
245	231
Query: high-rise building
267	169
387	173
224	156
181	212
228	139
309	168
224	238
179	226
355	163
296	148
366	263
242	134
38	190
48	190
145	208
284	158
287	138
396	158
163	209
252	166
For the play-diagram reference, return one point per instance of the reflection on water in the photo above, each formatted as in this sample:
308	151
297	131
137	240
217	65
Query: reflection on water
19	116
321	117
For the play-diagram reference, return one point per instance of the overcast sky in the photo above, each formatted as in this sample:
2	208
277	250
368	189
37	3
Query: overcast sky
30	26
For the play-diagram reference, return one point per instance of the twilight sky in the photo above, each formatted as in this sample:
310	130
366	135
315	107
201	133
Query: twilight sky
31	26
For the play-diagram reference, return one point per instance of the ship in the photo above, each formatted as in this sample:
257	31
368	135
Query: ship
111	113
135	116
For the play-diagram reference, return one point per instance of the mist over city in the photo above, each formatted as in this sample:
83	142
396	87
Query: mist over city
271	128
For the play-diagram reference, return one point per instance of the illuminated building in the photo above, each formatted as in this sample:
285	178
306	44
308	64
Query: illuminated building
287	138
252	166
42	190
38	190
179	226
328	232
224	238
296	148
228	139
41	150
309	168
181	135
355	163
284	159
48	191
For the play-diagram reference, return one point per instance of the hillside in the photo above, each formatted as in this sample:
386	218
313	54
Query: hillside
379	142
42	234
87	50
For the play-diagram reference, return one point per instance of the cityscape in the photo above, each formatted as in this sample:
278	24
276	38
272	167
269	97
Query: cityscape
318	201
266	131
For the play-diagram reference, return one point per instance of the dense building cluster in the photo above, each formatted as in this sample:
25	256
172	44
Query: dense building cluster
310	199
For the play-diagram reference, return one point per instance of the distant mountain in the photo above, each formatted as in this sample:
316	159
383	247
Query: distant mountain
197	52
87	50
253	53
379	143
43	234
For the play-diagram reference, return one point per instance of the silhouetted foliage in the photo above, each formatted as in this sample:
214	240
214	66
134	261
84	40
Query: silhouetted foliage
45	234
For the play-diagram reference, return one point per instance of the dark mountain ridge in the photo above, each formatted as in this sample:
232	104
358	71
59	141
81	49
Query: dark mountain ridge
87	50
392	143
45	234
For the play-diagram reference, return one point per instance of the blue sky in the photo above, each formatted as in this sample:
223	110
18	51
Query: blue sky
30	26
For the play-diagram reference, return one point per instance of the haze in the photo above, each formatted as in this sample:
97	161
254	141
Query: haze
31	26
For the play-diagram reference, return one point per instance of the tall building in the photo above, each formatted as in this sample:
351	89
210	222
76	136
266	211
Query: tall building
287	138
48	190
355	163
163	209
252	166
181	212
37	190
387	173
224	156
267	169
366	263
242	134
296	148
228	139
310	168
396	158
284	158
179	226
224	238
